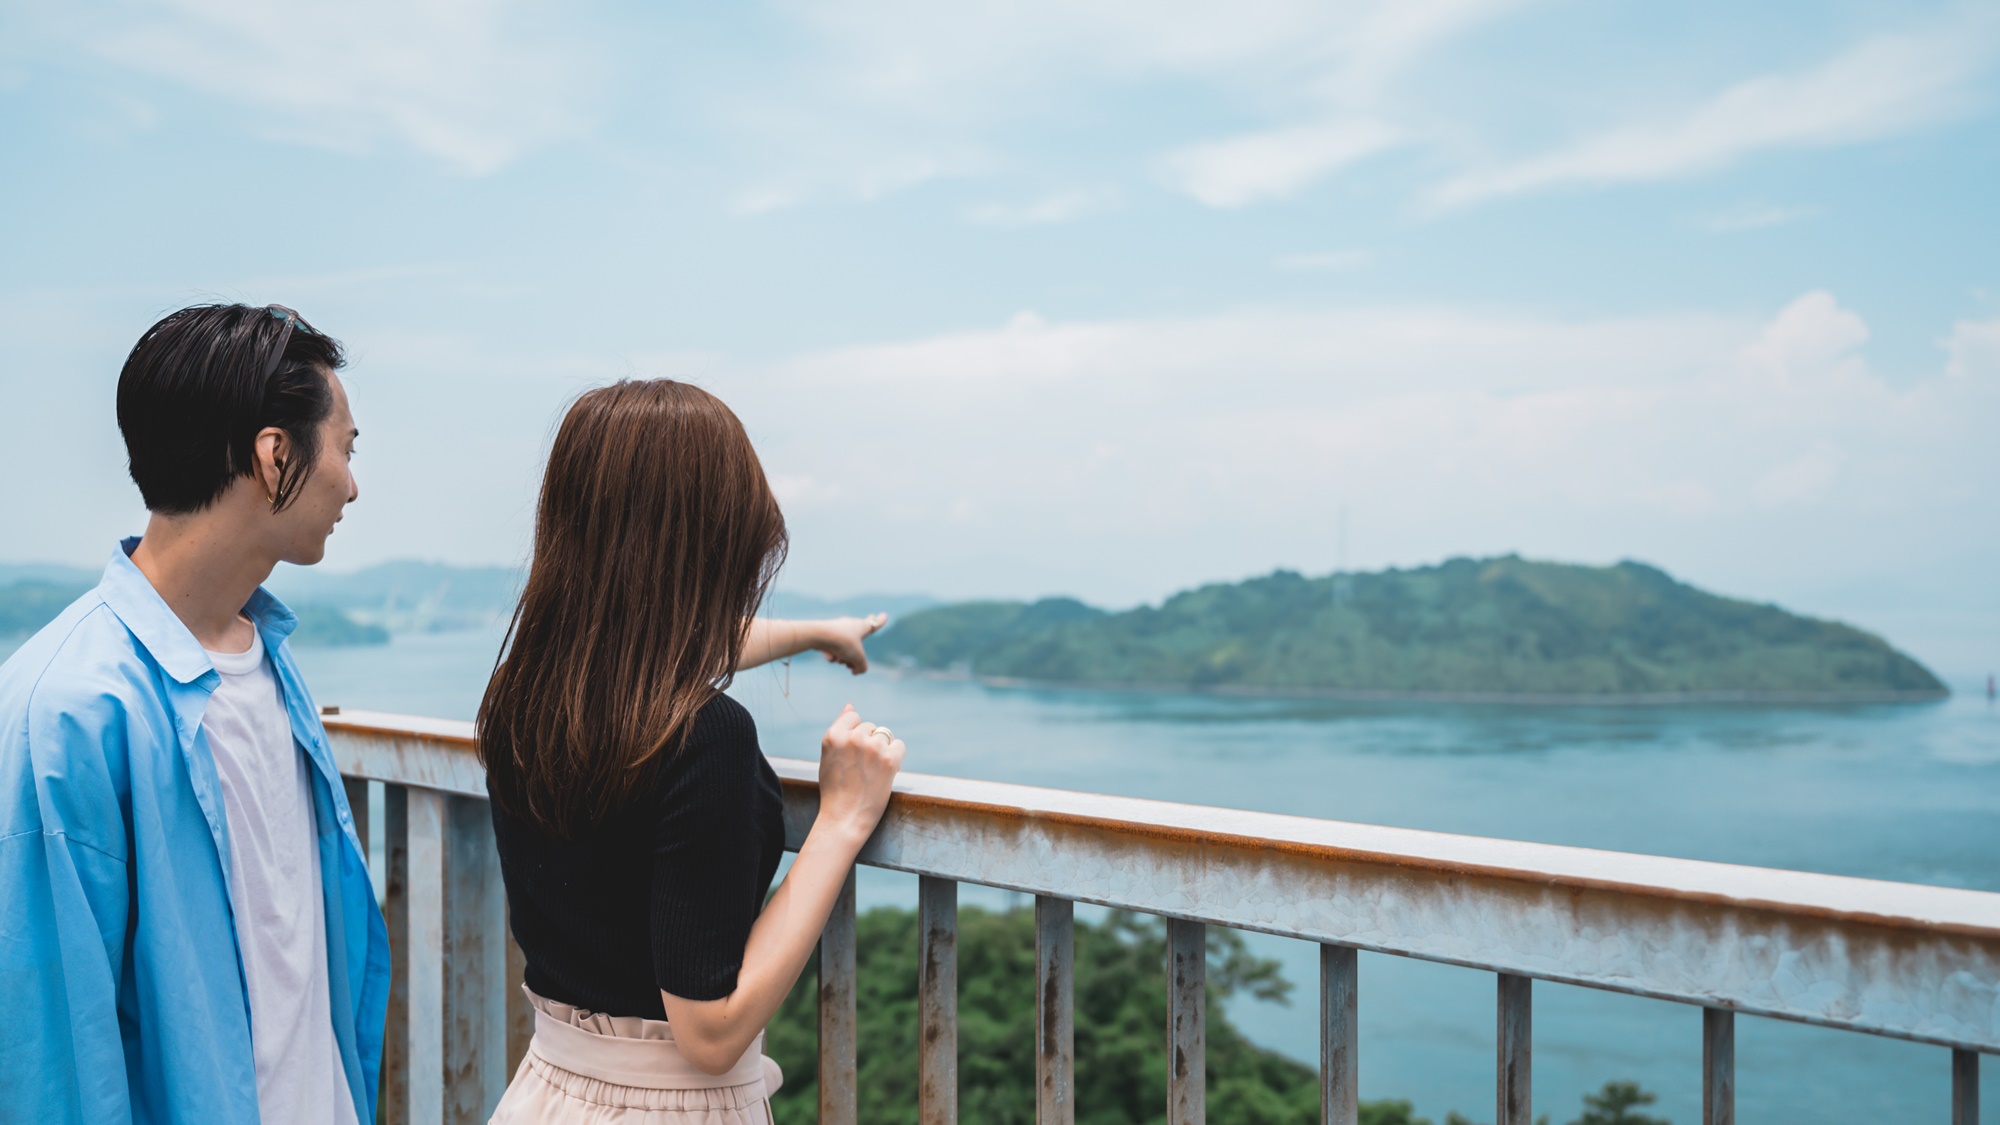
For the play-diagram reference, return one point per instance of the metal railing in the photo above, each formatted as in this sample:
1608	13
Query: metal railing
1906	961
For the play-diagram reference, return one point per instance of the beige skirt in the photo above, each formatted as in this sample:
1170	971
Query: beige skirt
587	1067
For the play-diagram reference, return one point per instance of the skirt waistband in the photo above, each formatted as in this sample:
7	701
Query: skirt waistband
628	1051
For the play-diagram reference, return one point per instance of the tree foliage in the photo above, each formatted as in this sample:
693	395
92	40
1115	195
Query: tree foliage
1121	1019
1613	1106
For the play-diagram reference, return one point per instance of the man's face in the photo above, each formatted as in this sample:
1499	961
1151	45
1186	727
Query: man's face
308	520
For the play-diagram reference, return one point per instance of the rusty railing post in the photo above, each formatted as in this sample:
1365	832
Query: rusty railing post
1055	1011
837	1102
1187	1011
473	1014
1964	1087
937	1001
1339	1035
396	918
356	789
1515	1085
413	1071
425	955
520	1017
1718	1066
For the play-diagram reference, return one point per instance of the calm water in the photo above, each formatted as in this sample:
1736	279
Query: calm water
1908	793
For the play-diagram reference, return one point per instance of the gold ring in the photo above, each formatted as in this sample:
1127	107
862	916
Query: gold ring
885	732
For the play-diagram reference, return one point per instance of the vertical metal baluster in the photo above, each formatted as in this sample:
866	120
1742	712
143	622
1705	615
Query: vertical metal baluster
937	1001
1187	1004
520	1017
1514	1085
357	803
493	942
474	1010
1055	1011
1339	1035
494	979
1964	1087
396	916
1718	1066
423	955
837	1104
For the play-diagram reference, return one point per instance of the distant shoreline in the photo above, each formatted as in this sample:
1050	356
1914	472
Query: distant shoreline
1370	695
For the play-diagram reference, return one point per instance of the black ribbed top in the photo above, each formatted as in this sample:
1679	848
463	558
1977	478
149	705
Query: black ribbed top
660	895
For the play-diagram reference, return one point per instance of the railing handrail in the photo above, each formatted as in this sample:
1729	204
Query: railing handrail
1844	897
1885	958
1874	901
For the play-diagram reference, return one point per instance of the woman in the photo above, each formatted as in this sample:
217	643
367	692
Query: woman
639	826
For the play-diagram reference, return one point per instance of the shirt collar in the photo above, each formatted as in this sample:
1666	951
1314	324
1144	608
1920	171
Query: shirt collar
131	596
272	617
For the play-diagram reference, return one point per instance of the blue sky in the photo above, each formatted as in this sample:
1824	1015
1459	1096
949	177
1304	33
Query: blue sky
1093	297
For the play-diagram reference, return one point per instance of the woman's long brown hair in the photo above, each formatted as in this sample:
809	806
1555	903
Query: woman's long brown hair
655	539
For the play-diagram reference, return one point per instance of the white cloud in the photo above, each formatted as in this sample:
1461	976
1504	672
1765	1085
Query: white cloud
319	283
473	83
1118	459
902	71
1973	346
896	174
1884	86
802	490
1386	38
1232	437
763	201
924	76
1306	90
984	57
1297	355
1799	479
1260	167
1062	207
1813	333
1754	217
854	172
1325	260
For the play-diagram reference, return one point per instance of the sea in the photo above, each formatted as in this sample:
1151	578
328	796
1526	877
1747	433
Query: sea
1907	792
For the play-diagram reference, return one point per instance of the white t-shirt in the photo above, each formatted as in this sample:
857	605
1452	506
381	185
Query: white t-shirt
274	891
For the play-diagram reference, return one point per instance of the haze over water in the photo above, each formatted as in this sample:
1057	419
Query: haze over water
1908	793
1113	299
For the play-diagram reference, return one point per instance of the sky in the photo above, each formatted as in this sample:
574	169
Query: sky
1097	297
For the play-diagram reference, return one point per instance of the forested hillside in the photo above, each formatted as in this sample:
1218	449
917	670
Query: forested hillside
1501	626
26	606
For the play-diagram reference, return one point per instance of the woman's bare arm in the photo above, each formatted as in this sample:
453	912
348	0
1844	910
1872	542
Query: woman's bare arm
856	769
771	638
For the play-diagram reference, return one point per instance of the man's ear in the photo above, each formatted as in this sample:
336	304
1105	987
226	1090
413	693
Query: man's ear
273	448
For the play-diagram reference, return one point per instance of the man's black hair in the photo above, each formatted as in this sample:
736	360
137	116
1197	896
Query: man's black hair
201	384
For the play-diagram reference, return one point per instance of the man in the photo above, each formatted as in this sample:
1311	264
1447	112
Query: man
187	931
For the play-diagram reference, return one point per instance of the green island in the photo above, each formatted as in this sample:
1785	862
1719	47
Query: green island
1501	628
1121	1020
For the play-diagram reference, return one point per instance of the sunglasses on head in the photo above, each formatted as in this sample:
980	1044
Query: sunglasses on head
291	320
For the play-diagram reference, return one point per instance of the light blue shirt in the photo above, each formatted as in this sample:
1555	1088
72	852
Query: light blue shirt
121	990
